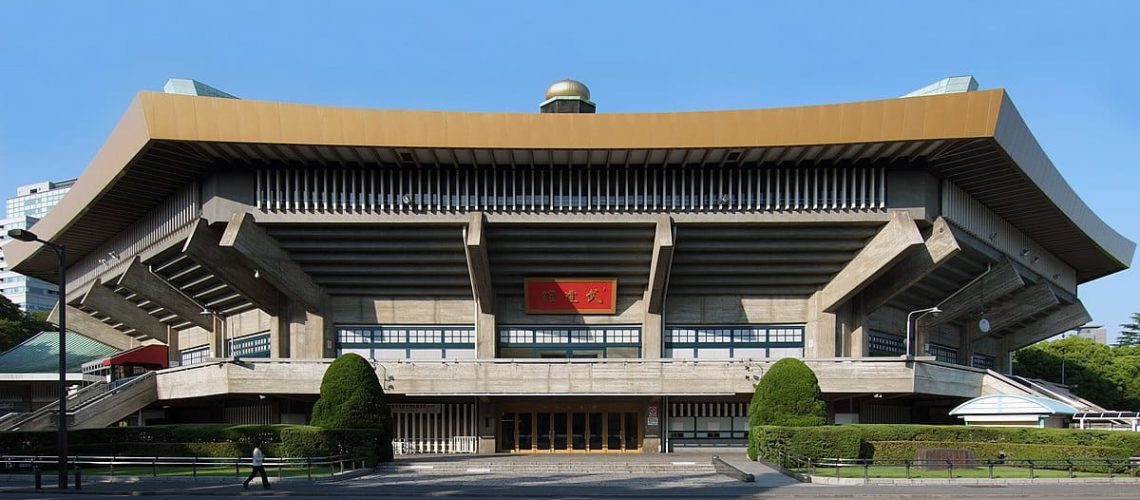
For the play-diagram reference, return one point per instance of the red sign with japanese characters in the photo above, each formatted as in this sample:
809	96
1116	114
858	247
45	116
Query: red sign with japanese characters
570	295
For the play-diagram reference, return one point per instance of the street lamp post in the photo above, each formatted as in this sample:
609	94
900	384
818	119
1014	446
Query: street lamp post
61	425
922	312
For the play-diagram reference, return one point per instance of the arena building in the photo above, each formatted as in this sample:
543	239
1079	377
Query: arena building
570	280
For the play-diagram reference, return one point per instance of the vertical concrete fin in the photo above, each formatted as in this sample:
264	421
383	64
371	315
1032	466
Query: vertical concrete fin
661	263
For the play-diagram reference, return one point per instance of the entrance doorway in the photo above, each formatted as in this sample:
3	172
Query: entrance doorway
583	429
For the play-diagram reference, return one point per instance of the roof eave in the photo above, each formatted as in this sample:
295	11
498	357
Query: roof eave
126	141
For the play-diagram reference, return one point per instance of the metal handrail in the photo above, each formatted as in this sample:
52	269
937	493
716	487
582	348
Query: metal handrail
83	396
112	391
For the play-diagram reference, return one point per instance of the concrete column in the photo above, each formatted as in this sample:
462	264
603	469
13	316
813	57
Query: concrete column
173	356
651	331
820	331
966	343
485	410
218	337
311	335
851	323
486	335
279	333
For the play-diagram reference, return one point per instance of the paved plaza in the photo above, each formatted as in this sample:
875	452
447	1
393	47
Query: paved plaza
491	477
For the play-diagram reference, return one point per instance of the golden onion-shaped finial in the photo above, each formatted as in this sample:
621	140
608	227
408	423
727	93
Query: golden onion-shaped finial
568	88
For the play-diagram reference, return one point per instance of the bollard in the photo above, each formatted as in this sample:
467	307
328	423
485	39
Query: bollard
906	463
280	472
837	468
1109	462
39	477
112	468
309	466
194	468
78	478
154	467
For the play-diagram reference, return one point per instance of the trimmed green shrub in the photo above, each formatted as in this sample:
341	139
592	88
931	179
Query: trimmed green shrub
855	441
906	450
787	395
206	440
770	442
352	398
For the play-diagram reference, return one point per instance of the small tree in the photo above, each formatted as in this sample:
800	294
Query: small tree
788	395
352	398
1130	332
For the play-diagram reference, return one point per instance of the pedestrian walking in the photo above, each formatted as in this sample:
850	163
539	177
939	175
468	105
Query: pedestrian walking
257	460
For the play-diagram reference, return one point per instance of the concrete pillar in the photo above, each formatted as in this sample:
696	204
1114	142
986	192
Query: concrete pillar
851	323
279	333
486	335
218	337
311	335
486	425
651	331
820	331
173	356
966	343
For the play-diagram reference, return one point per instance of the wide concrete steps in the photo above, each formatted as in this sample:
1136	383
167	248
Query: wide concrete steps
547	465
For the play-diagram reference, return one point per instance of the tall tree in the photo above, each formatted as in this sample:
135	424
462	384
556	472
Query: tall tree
1130	332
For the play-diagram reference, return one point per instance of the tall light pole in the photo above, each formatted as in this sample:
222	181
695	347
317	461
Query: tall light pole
61	425
922	312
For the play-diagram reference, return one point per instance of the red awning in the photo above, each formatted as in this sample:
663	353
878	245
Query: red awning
154	354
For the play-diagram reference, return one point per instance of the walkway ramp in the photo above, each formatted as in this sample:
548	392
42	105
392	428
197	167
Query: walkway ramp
94	406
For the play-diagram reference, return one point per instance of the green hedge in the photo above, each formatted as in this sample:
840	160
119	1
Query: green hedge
853	441
206	440
907	450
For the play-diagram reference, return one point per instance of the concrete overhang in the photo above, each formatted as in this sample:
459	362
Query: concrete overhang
975	139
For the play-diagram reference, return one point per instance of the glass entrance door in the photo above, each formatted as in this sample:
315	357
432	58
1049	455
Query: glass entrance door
569	431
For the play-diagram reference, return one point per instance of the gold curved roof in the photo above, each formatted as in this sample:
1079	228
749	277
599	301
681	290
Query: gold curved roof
146	157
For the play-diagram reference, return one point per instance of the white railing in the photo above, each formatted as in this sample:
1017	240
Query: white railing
451	445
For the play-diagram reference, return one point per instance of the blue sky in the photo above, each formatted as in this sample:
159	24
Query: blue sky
68	69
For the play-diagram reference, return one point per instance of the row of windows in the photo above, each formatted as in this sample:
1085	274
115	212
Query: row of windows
943	353
751	335
882	344
250	346
982	361
246	346
587	335
450	335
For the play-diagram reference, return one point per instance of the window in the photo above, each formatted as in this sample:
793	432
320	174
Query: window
883	344
195	355
943	353
734	342
407	342
569	342
250	346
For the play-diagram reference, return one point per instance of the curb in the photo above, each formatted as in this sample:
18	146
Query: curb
727	469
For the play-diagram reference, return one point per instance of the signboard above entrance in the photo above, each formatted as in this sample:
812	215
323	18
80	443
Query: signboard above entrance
570	295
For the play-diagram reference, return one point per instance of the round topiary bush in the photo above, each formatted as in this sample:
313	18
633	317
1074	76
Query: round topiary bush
352	398
788	395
